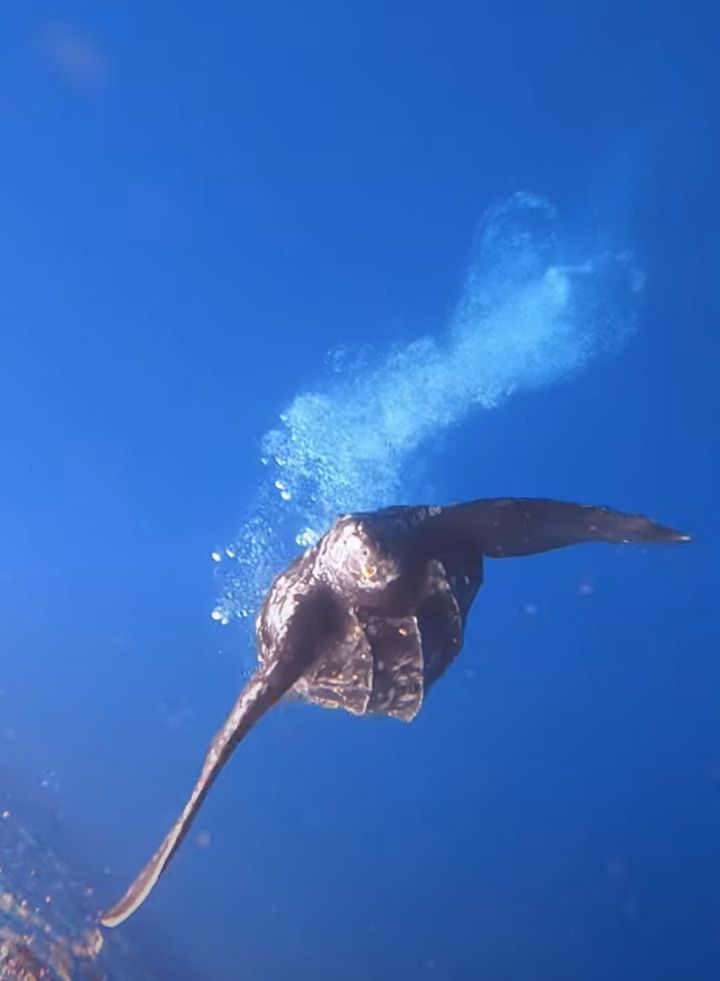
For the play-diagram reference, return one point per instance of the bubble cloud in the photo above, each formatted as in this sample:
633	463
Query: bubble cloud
530	314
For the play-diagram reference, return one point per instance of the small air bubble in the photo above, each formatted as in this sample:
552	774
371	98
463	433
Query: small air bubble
216	556
230	552
306	537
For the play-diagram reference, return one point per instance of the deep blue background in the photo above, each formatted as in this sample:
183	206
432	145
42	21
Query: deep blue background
196	201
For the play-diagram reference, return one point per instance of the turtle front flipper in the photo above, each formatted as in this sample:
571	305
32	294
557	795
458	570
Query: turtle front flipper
297	623
263	690
507	527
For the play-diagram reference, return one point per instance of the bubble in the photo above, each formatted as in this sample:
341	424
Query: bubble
530	314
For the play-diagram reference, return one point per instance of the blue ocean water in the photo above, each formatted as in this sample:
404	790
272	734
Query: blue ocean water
264	263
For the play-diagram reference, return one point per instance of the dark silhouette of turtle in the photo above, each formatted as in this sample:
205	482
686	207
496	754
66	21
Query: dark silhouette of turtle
371	616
